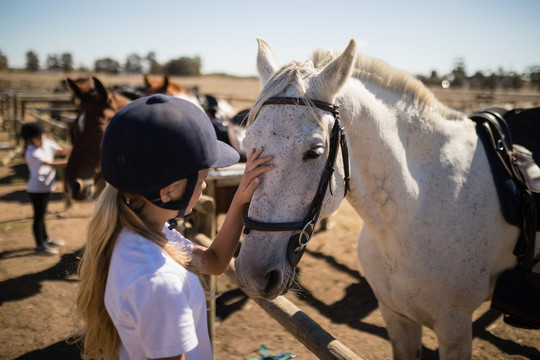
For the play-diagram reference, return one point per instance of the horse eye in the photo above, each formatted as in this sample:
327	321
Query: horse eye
314	153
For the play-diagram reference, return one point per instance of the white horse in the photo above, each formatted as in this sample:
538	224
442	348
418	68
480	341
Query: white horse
434	239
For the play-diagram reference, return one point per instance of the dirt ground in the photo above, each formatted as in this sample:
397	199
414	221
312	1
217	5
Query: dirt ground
37	292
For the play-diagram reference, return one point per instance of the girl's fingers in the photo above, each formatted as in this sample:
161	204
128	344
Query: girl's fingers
253	160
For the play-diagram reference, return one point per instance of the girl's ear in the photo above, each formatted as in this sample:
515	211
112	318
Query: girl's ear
165	194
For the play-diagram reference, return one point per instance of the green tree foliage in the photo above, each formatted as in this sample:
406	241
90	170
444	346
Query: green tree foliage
32	61
511	81
66	62
62	62
3	61
491	82
133	64
184	66
53	63
458	74
154	67
107	65
533	75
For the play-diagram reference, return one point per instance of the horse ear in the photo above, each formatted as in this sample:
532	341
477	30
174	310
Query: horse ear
266	61
165	82
102	92
335	74
146	82
74	88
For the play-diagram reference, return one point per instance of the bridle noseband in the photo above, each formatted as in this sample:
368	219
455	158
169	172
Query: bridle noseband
298	241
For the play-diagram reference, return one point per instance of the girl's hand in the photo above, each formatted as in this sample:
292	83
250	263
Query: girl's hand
255	166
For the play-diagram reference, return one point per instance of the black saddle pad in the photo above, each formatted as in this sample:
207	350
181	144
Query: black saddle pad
524	127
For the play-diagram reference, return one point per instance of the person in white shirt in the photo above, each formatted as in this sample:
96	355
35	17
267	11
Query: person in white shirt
40	158
139	294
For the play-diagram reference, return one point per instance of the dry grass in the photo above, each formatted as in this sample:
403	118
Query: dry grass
241	92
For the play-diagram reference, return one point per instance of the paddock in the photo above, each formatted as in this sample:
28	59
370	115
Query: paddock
26	283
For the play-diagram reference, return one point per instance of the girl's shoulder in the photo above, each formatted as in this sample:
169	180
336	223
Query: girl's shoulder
178	240
51	144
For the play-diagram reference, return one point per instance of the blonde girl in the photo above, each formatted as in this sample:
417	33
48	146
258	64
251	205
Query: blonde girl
139	295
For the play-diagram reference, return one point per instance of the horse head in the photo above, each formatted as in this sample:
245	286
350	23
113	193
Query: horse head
295	121
96	108
158	85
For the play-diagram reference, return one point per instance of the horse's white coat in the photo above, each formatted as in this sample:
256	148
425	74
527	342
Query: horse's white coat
434	239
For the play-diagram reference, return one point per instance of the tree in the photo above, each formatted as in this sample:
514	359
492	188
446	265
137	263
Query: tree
153	66
533	75
67	62
184	66
133	64
476	80
3	62
458	73
53	63
511	81
107	65
490	82
32	61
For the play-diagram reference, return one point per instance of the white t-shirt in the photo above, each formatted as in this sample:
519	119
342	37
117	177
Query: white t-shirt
41	179
157	306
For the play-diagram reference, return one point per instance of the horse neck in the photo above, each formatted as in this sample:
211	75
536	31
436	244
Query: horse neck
388	137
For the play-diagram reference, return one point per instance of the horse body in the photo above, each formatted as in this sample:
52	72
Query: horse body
97	106
434	239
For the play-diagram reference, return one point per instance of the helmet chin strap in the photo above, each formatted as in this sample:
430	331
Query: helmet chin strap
180	205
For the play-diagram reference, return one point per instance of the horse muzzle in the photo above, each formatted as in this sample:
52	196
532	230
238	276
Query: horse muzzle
262	276
83	189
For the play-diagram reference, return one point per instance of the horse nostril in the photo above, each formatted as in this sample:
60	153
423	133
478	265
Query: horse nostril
75	187
273	280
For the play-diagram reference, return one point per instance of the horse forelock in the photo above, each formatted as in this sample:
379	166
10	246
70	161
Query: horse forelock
295	73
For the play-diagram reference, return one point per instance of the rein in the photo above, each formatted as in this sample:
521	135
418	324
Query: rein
298	241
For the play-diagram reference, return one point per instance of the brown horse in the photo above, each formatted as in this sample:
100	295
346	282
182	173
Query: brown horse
97	106
158	85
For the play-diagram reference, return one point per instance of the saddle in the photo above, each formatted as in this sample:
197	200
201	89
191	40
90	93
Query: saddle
512	143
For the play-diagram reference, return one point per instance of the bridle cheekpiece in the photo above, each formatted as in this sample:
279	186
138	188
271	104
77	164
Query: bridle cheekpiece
298	241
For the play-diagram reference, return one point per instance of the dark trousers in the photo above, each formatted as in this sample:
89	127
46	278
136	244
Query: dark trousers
39	202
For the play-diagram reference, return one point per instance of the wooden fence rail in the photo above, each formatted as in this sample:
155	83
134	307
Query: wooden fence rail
294	320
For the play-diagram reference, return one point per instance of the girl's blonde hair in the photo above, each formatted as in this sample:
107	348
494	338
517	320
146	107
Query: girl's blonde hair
114	211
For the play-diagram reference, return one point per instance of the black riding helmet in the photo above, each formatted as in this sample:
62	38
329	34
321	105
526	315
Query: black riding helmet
31	130
157	140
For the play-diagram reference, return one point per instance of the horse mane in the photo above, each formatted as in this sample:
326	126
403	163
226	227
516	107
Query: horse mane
368	69
382	74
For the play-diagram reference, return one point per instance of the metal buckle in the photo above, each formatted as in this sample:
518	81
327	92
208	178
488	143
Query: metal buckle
301	244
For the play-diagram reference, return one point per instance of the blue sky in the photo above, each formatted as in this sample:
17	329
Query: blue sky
415	35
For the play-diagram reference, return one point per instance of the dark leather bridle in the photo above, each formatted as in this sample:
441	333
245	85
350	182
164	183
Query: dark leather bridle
298	241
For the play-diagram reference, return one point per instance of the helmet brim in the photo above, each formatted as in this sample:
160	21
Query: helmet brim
227	155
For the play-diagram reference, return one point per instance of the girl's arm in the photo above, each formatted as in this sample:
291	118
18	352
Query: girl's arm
56	163
215	259
64	150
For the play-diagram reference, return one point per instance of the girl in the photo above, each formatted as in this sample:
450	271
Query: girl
39	156
139	295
